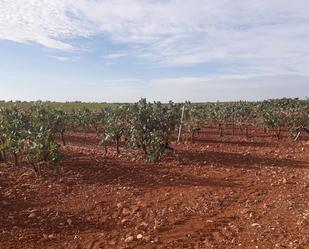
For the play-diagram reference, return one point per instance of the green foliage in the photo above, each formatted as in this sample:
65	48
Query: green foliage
29	133
115	125
14	128
290	113
245	113
194	119
298	119
151	126
41	139
29	130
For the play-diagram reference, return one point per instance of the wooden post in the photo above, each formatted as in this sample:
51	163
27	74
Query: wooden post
233	121
297	136
181	121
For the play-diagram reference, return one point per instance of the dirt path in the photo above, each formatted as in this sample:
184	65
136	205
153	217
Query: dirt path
218	193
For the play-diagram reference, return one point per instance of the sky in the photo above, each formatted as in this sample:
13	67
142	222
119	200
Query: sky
121	51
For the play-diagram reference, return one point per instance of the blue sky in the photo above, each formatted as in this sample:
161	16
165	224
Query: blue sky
119	50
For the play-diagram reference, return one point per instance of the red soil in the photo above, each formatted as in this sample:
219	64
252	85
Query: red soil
228	192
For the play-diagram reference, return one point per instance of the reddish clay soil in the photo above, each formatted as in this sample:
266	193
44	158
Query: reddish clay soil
228	192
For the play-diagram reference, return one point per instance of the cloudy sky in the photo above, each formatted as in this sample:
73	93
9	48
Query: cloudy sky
120	50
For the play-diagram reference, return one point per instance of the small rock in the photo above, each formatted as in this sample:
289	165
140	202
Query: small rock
255	225
143	225
139	236
69	221
51	236
124	221
32	215
146	238
155	240
125	211
129	239
135	209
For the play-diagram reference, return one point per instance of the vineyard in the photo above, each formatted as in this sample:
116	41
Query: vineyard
154	175
31	134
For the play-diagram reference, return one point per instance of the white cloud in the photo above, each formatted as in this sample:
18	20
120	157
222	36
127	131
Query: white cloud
41	21
255	37
64	58
116	55
60	58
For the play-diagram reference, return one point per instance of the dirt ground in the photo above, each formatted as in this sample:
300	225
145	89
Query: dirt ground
228	192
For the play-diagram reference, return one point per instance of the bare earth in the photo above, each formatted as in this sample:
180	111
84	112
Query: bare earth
228	192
